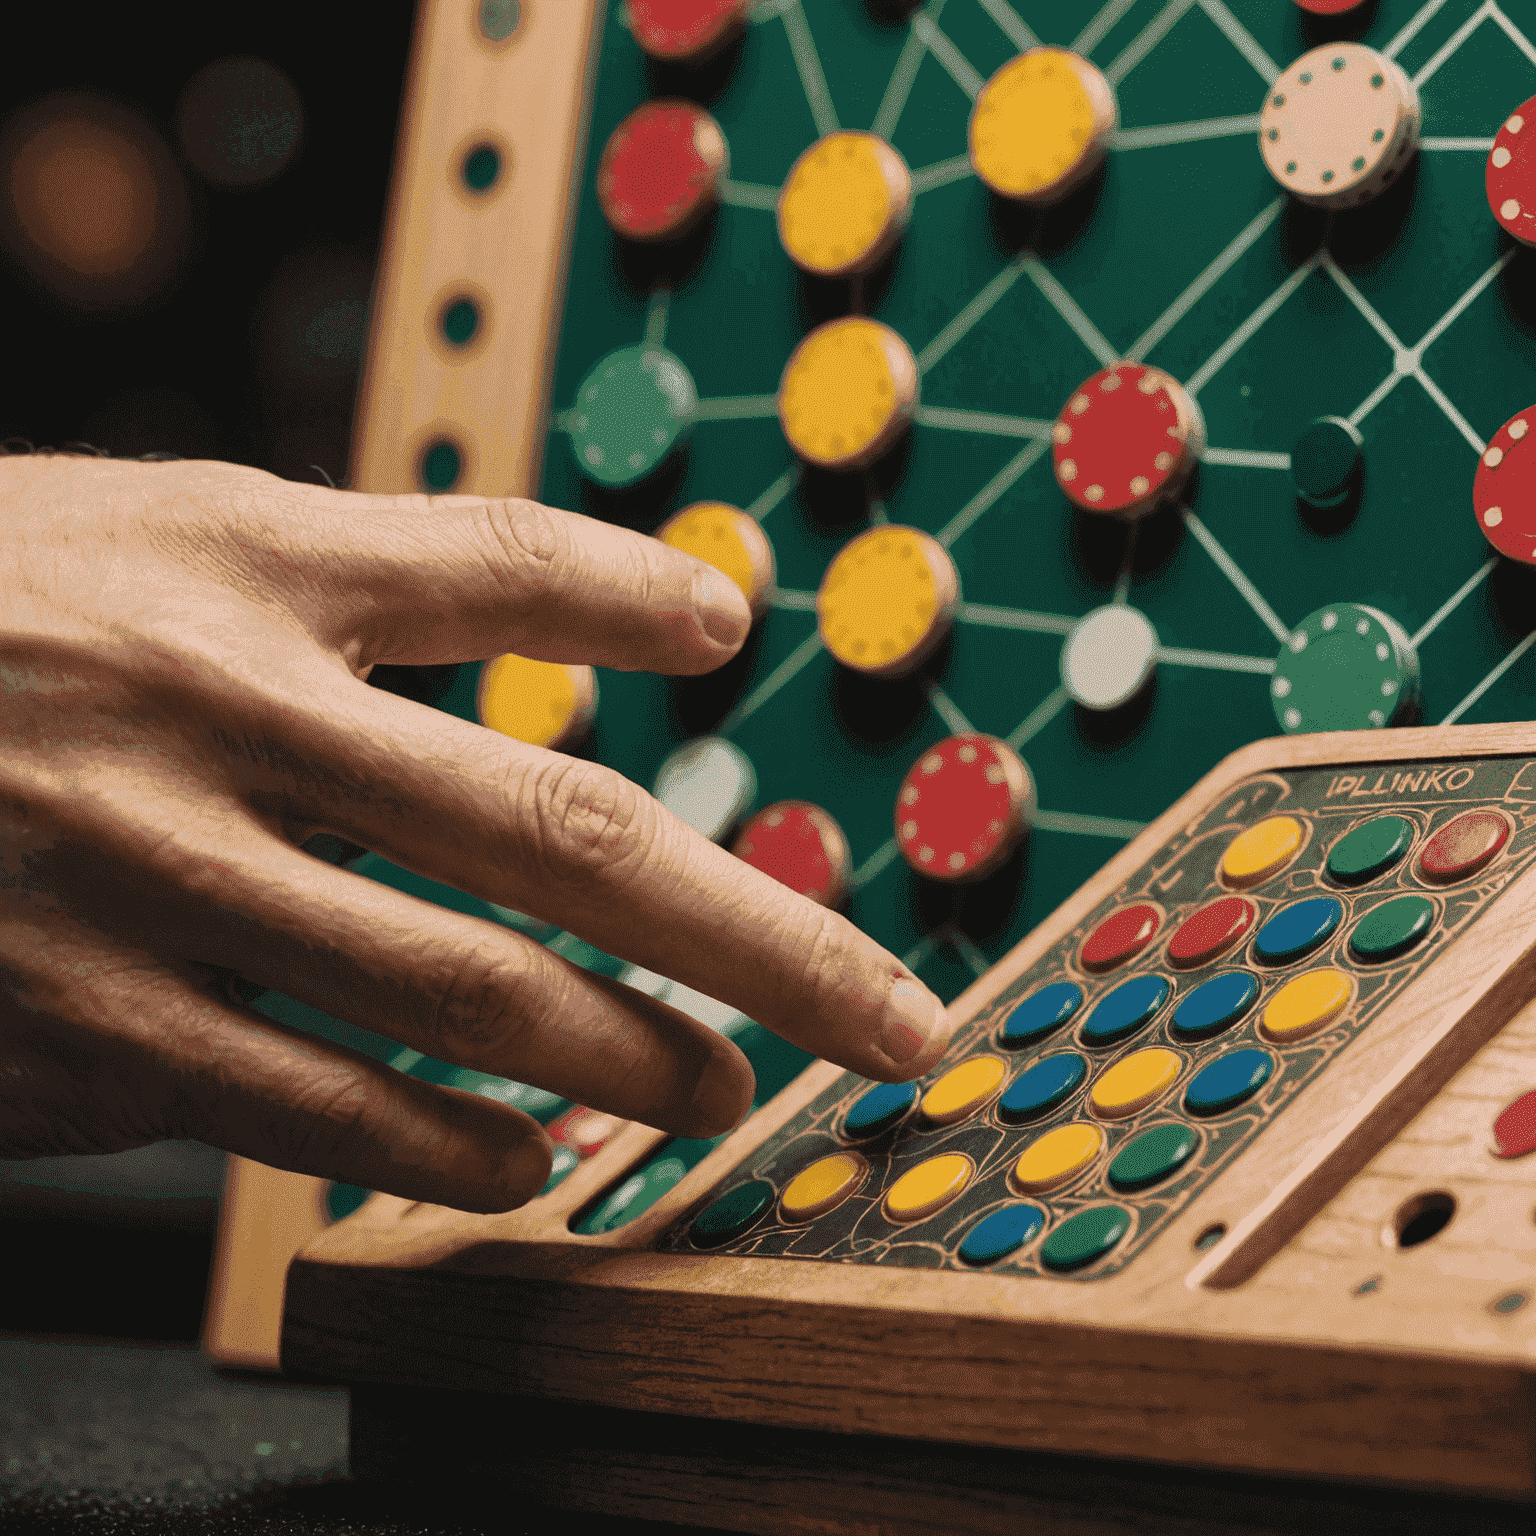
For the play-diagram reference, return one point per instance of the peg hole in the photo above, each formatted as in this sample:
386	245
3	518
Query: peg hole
1419	1219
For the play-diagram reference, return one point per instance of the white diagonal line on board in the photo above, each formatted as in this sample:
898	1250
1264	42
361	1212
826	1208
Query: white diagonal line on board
1454	601
1069	310
738	408
990	493
798	602
948	57
1449	411
1087	826
1375	398
926	945
1361	303
993	424
1183	133
941	174
1452	43
1245	458
874	863
969	315
656	315
1491	679
1424	14
1229	568
1213	661
1011	23
1150	36
1242	39
1100	27
1453	314
968	952
768	10
1197	290
1240	337
1478	146
775	493
795	662
948	711
746	194
893	103
1512	32
1037	719
1013	618
813	80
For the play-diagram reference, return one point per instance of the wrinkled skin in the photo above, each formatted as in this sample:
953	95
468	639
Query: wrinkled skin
183	650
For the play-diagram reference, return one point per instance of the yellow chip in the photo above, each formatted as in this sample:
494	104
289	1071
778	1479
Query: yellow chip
930	1186
541	702
1306	1003
825	1184
1036	128
1263	850
844	203
848	392
963	1089
886	600
1057	1156
1135	1082
729	540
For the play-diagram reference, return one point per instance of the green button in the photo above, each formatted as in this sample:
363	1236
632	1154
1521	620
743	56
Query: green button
631	411
1081	1239
1346	667
1370	850
1326	462
1153	1156
1392	927
731	1214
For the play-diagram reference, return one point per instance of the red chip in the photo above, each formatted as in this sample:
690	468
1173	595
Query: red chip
1464	846
1127	435
1504	488
684	29
1121	935
801	846
1512	173
585	1131
1328	7
660	169
963	807
1210	931
1514	1132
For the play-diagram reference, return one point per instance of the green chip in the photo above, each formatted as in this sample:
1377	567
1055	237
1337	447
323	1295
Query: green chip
1346	667
1370	849
1395	926
631	411
1325	463
1087	1236
731	1214
1153	1156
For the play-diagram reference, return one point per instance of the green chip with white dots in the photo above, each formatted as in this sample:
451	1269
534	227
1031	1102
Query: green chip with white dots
634	408
1346	667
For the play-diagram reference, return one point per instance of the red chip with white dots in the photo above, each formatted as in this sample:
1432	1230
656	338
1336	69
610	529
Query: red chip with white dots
963	807
801	846
1504	489
1512	173
685	30
1126	440
661	169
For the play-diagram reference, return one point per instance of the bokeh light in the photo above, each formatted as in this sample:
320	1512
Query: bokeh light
94	206
240	121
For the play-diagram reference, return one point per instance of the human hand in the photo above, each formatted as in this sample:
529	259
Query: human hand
182	655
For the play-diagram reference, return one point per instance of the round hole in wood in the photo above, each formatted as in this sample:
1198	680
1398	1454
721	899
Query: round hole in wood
1420	1218
1212	1235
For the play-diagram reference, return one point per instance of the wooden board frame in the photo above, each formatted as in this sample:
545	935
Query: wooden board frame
1174	1359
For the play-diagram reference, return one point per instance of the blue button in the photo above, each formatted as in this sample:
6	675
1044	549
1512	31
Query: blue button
1297	929
1215	1004
1228	1081
1043	1087
880	1107
1123	1011
1040	1013
994	1237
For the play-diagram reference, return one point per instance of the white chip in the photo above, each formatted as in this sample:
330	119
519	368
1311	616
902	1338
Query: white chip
708	783
1108	657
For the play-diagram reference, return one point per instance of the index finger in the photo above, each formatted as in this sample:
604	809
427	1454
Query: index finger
579	845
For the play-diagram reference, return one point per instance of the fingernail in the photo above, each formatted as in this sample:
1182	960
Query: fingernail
722	609
912	1017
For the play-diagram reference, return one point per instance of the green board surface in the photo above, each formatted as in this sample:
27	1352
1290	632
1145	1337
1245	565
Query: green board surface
1185	254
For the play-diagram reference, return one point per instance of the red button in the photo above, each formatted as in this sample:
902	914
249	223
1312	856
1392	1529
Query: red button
1205	934
1463	846
1121	935
660	169
1514	1132
683	29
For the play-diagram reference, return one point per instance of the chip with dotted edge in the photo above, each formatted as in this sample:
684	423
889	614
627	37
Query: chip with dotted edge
963	807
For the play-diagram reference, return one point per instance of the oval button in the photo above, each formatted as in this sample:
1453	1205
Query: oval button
929	1187
1057	1156
823	1185
1298	929
1137	1081
1119	1014
1264	849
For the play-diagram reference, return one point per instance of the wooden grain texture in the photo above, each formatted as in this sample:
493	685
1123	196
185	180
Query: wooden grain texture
1430	1390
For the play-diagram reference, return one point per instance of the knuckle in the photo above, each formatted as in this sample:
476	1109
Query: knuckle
330	1113
473	1001
531	538
593	818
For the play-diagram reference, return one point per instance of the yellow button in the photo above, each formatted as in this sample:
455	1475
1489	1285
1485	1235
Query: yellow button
1057	1156
1033	123
845	201
1305	1003
729	540
541	702
963	1089
1263	850
825	1183
1134	1083
848	392
886	600
923	1190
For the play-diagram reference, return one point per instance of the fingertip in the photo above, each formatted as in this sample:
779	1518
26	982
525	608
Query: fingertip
523	1173
724	1094
916	1030
723	611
